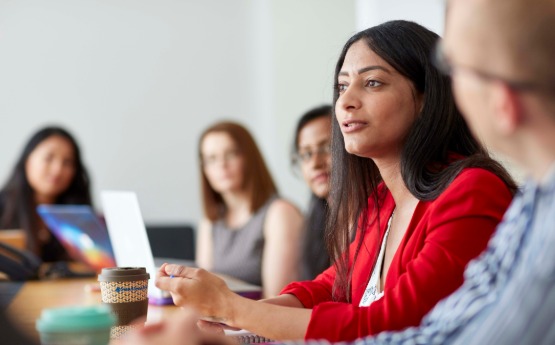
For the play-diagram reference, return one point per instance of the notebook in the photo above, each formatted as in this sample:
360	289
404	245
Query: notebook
81	232
245	337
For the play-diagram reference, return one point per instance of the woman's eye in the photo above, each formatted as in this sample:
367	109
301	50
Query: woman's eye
341	88
68	163
373	83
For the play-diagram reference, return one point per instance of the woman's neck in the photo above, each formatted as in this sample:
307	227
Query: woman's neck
238	208
44	199
390	170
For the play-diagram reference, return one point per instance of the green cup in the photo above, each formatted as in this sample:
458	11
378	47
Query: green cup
87	325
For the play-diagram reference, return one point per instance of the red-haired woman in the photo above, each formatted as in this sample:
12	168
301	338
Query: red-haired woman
247	230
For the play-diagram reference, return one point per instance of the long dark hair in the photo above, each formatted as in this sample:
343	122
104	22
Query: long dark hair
315	257
427	164
17	195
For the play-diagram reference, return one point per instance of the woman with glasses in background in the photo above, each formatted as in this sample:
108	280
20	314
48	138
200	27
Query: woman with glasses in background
247	231
311	155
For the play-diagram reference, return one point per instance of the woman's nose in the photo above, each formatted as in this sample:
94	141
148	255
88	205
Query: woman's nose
349	99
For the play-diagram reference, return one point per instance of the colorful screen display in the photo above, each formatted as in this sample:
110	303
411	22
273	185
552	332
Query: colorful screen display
81	232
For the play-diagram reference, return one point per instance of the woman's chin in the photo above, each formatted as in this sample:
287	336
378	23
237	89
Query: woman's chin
321	190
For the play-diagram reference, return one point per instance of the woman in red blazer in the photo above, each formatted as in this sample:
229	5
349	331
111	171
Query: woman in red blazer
442	236
422	194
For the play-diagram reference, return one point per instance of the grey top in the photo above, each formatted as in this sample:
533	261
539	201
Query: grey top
238	252
508	296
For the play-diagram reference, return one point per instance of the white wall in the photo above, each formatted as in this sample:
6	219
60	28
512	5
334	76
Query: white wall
137	80
429	13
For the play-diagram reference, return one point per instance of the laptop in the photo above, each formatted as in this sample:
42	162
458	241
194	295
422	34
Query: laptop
129	238
132	248
124	243
81	232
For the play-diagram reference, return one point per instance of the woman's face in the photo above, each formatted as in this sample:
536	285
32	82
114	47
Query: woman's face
50	168
222	162
376	106
313	149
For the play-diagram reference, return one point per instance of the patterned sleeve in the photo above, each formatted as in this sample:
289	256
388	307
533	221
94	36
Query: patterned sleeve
525	310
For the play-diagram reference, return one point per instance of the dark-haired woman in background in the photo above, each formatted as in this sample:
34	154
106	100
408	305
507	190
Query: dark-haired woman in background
311	153
422	194
49	171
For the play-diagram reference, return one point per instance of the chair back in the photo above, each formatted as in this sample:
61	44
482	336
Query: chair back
175	241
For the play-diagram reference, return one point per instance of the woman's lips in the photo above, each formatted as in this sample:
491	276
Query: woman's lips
351	126
322	177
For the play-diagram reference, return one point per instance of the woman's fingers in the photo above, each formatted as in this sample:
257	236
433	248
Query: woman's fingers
178	270
203	322
210	327
165	278
196	288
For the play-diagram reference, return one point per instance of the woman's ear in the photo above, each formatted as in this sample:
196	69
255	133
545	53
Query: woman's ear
506	108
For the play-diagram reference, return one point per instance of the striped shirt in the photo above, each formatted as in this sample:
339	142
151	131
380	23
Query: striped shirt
508	296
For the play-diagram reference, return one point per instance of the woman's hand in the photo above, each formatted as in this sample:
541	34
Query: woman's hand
215	327
179	330
199	289
210	296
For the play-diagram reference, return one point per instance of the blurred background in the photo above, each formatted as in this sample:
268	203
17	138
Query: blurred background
136	81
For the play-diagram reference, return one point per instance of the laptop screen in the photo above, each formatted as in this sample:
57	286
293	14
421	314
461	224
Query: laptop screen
128	234
81	233
132	247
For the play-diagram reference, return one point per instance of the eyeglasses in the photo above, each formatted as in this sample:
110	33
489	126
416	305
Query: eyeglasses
444	64
306	156
226	157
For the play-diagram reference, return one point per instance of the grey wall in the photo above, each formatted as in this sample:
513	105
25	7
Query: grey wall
137	80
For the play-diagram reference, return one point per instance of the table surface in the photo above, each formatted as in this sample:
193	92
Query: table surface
35	296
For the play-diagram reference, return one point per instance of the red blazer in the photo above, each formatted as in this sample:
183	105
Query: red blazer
442	237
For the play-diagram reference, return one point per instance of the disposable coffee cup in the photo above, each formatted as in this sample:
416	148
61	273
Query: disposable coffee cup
88	325
125	290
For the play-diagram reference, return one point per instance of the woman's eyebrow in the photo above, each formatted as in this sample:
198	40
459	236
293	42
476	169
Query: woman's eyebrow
366	69
319	143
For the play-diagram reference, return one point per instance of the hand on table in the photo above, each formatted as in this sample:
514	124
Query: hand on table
199	289
179	330
214	327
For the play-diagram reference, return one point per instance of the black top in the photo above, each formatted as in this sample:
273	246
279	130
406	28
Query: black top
49	251
315	258
10	334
